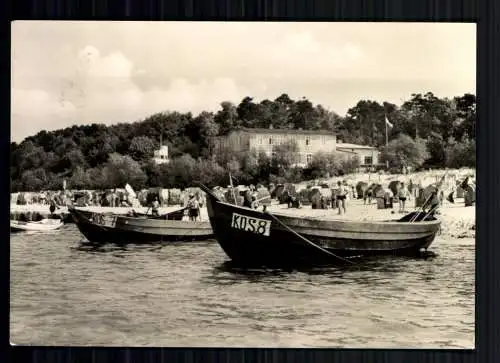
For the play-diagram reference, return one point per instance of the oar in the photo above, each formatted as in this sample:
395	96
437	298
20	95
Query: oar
308	241
174	211
258	200
421	208
430	211
438	188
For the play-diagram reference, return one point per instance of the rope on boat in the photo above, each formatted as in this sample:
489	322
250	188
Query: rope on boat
308	241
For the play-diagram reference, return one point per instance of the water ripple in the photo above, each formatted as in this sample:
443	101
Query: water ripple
67	293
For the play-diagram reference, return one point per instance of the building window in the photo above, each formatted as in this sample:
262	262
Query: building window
260	140
309	158
307	141
368	160
270	140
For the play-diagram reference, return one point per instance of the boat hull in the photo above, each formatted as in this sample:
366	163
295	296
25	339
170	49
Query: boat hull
252	237
117	229
18	226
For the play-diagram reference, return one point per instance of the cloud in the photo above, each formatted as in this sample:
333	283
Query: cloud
102	90
37	110
110	72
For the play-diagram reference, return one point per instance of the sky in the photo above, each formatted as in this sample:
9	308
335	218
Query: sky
67	72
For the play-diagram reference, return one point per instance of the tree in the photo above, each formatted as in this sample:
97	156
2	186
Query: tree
34	180
201	130
142	148
80	179
250	113
282	109
365	123
264	166
122	169
323	164
436	147
179	172
28	156
250	166
302	115
404	151
209	173
284	156
227	118
70	161
461	154
466	113
349	165
81	153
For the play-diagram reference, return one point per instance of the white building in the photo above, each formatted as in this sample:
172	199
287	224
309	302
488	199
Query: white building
368	156
264	140
161	155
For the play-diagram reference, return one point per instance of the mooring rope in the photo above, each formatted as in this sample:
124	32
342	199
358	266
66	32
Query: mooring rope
308	241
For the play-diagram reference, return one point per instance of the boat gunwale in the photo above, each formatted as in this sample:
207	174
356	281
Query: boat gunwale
166	223
343	222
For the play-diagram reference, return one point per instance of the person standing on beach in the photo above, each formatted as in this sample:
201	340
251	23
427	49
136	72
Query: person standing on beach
403	194
53	205
341	196
193	206
155	207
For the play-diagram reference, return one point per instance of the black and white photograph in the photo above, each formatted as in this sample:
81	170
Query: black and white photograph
243	184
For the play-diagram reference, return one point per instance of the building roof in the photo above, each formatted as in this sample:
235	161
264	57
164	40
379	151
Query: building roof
287	131
346	151
353	146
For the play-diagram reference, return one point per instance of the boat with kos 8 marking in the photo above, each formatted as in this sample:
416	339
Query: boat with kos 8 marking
139	228
253	237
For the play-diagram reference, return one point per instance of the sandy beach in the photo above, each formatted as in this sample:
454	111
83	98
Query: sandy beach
457	221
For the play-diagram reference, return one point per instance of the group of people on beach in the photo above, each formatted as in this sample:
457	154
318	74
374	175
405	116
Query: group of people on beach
193	206
339	198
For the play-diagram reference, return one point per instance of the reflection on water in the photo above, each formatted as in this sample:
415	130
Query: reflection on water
66	292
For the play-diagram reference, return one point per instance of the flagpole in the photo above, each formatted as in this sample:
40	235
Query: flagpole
386	141
386	134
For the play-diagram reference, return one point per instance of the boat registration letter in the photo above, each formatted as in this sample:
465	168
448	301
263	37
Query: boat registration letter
104	220
251	224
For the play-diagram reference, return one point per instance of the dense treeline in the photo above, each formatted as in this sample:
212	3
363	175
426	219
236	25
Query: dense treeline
427	132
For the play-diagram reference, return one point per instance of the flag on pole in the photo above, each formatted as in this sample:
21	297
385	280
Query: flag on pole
387	122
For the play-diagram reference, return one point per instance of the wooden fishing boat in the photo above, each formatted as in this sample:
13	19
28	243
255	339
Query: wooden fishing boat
43	225
253	237
141	228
